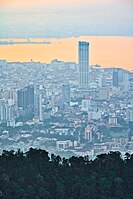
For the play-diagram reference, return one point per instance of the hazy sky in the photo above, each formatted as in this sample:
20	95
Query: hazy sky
69	18
65	18
104	50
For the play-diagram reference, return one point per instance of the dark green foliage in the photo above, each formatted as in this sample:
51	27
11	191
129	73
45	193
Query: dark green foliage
34	175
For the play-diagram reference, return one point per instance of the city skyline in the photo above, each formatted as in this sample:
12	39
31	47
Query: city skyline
107	25
105	51
66	99
43	106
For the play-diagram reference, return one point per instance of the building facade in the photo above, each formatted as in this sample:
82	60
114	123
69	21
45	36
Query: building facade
25	99
83	64
65	93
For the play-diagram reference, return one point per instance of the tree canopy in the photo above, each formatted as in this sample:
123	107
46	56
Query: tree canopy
36	175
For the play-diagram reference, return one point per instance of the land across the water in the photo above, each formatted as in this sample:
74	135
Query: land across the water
107	51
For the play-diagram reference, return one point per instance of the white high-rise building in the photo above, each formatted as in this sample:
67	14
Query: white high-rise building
88	133
85	105
6	111
38	103
129	114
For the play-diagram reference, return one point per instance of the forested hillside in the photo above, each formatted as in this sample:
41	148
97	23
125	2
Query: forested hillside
35	175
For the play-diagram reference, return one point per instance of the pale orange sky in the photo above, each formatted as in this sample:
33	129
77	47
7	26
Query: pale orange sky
38	3
45	3
19	3
106	51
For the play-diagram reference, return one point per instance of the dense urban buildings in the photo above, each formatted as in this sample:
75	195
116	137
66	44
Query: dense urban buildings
48	106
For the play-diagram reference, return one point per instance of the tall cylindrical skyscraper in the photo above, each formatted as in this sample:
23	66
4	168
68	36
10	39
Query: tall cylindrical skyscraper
83	51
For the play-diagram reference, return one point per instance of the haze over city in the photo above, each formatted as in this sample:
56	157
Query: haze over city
66	99
69	19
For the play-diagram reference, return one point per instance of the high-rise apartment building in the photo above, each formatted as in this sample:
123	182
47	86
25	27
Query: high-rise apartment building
83	64
129	114
116	77
6	111
120	78
25	98
88	133
22	100
38	102
65	93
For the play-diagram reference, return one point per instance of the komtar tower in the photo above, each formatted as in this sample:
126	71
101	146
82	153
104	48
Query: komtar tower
83	56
